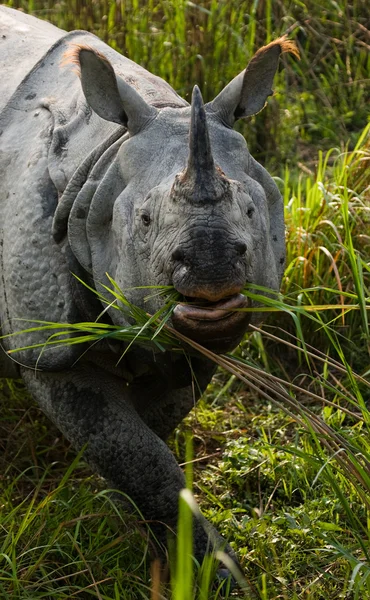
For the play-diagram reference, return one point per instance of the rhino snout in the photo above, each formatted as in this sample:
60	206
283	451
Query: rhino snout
209	271
179	253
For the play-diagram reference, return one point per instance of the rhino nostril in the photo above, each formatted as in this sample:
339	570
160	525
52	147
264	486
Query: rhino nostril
241	248
178	255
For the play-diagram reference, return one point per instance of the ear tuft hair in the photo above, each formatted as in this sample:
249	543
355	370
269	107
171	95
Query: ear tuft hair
285	45
71	57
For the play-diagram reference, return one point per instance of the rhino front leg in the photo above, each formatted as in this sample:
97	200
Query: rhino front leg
165	412
162	406
90	407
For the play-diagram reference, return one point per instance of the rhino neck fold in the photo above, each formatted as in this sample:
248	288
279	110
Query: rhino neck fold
92	169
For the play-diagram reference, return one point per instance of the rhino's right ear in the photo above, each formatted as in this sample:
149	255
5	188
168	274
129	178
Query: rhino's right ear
246	95
110	97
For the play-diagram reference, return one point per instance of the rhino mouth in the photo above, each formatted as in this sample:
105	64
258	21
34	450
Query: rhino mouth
219	326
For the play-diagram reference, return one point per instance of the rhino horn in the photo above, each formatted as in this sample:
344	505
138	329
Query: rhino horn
200	154
201	180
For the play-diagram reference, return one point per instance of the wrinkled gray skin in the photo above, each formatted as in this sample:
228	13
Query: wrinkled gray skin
104	177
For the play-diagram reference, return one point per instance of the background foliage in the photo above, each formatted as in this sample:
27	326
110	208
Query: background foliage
320	101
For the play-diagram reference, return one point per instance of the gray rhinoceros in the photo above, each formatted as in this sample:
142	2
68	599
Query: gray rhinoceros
105	169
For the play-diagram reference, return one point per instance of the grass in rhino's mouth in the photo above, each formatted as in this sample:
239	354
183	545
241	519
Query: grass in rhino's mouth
201	302
153	329
229	302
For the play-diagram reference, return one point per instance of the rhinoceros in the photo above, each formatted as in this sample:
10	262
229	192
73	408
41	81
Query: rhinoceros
105	169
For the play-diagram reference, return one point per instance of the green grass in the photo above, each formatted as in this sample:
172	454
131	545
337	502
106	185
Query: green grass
281	469
321	101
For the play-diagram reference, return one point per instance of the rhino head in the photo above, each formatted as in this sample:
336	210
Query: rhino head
182	202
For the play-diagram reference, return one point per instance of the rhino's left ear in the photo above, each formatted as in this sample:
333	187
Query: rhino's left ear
246	95
110	97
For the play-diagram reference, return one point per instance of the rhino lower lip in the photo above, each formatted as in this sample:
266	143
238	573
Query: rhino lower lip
201	310
219	326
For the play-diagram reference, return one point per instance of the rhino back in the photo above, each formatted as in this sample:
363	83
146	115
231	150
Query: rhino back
23	42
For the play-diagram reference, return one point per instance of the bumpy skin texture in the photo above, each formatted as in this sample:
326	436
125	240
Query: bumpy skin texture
100	178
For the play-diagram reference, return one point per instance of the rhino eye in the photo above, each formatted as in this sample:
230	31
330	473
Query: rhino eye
145	219
250	211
